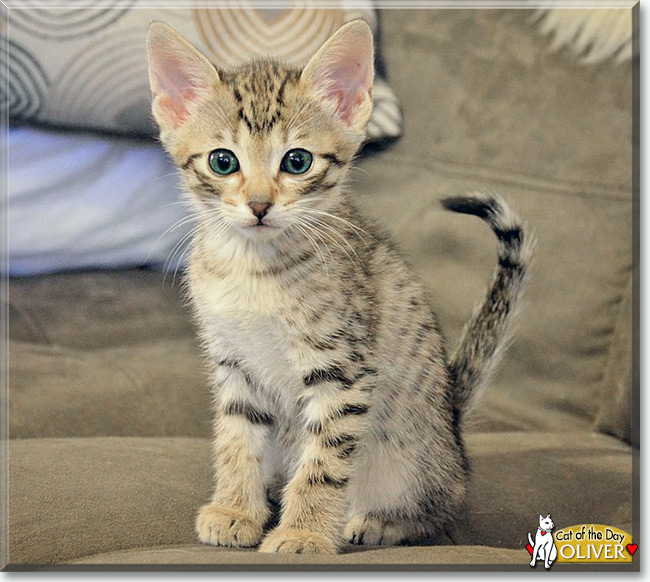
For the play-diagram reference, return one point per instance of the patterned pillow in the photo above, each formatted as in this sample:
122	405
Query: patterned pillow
86	68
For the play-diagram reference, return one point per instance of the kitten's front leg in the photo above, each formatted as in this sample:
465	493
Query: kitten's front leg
239	510
315	500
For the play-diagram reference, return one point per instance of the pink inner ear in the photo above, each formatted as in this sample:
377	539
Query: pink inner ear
174	86
343	69
175	89
347	87
176	108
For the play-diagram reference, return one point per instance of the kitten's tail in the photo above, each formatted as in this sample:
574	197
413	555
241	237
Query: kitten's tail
487	332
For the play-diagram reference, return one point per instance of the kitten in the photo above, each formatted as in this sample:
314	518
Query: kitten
331	384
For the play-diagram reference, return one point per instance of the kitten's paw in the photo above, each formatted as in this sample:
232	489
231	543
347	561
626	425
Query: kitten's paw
369	530
218	525
297	541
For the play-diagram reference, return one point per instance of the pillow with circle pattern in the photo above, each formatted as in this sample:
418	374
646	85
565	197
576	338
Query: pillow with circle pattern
86	67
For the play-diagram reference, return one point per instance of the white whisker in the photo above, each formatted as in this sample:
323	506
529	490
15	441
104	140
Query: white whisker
353	226
158	178
314	245
178	224
319	223
179	246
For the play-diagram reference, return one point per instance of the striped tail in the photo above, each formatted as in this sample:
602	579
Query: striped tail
487	333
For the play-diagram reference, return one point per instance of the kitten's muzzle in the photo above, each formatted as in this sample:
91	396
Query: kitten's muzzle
259	209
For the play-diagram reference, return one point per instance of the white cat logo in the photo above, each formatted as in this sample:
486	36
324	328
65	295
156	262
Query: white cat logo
543	548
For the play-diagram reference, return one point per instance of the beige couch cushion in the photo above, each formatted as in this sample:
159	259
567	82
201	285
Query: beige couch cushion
73	498
111	353
621	376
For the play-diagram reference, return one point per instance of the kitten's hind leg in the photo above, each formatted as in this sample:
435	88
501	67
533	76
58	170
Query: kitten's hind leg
396	498
375	530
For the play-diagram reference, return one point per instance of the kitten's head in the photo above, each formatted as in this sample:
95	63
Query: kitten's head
265	146
546	523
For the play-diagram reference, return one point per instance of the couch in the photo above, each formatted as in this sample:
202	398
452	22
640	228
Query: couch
109	408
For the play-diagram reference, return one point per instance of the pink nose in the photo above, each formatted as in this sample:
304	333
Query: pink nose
259	208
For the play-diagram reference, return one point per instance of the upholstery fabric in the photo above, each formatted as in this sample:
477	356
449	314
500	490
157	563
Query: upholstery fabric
109	404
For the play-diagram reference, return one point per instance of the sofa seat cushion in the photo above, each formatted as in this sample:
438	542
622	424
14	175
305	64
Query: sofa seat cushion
108	353
84	499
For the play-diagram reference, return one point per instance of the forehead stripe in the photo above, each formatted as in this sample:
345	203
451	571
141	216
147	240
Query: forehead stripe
245	119
280	96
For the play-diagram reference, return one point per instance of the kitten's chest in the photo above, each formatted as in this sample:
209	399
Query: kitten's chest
238	293
246	318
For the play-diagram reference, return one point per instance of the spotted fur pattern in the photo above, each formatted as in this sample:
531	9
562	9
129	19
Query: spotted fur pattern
332	390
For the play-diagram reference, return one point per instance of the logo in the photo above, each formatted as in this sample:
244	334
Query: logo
543	548
585	543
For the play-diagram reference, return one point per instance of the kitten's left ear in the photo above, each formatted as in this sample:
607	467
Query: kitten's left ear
342	71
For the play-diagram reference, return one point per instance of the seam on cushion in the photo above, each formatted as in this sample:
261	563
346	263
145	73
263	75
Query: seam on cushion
55	348
508	177
180	547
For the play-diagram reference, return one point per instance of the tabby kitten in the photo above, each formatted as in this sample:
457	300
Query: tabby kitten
331	385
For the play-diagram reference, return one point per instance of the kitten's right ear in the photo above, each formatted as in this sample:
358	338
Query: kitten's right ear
179	75
342	71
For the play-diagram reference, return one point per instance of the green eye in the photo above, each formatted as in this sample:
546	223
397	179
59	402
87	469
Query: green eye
223	162
296	161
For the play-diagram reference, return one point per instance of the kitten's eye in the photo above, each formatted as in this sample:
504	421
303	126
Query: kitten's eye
223	162
296	161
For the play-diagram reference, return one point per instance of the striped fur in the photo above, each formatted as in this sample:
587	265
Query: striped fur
332	390
486	334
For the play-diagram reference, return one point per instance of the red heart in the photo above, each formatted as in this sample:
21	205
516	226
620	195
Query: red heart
530	549
632	548
543	533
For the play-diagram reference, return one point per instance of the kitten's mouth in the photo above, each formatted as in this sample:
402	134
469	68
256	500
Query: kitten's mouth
261	228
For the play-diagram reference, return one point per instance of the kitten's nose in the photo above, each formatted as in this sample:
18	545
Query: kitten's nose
259	208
